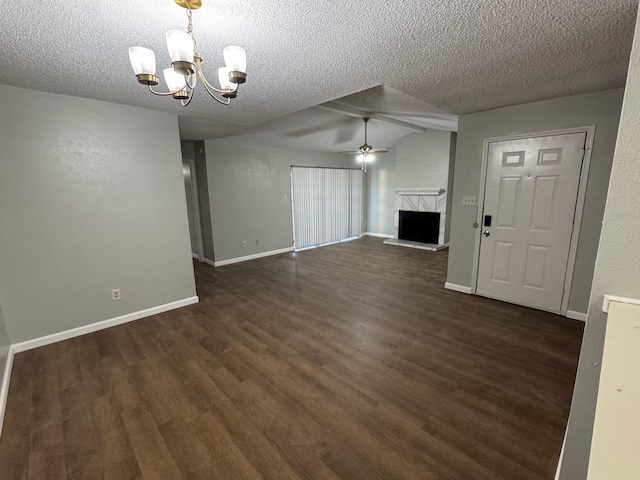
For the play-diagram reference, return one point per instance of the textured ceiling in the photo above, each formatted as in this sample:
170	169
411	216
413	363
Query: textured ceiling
447	56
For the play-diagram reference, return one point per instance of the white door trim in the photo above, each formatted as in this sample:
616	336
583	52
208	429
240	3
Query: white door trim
196	207
582	189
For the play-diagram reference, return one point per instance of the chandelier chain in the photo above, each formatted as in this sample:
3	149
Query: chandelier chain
190	28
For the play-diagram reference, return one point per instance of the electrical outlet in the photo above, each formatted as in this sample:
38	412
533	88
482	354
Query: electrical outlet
244	243
257	242
116	294
469	201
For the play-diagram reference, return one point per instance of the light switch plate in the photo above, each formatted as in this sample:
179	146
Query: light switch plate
469	201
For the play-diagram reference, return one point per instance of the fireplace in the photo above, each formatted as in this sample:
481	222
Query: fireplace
421	227
419	218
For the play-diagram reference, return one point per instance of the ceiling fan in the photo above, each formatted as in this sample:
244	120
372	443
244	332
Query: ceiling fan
365	151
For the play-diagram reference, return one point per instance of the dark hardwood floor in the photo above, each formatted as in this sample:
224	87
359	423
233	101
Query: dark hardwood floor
349	361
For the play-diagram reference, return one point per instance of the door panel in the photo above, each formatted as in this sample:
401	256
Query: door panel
501	261
508	201
535	266
530	192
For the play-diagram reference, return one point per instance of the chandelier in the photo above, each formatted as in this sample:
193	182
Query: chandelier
186	65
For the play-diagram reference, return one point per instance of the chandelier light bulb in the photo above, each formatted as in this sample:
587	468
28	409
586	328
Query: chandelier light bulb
143	61
175	81
223	77
235	58
180	46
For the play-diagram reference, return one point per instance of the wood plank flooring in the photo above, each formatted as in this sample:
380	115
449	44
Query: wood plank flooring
344	362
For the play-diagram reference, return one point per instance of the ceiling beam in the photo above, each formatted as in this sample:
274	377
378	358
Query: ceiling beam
353	112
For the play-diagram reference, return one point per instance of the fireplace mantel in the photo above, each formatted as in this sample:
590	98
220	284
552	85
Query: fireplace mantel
420	191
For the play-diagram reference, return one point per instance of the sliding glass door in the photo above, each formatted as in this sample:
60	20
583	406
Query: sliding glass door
327	205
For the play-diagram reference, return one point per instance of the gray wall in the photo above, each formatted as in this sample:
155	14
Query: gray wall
91	199
381	182
418	160
247	188
601	109
422	160
617	272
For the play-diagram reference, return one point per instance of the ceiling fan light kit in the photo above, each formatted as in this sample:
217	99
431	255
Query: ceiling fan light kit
365	151
186	65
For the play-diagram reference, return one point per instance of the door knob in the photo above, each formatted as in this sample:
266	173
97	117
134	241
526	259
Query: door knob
486	233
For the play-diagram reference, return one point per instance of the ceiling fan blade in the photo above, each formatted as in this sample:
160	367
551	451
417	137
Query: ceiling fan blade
314	129
351	152
379	150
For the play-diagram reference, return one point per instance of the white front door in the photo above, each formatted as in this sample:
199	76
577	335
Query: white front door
527	222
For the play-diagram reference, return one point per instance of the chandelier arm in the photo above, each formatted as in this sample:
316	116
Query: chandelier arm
162	94
195	80
188	101
205	81
206	87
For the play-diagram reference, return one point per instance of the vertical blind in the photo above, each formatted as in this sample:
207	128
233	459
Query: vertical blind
327	205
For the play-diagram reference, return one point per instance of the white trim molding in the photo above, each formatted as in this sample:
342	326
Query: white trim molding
458	288
431	247
4	391
94	327
252	257
209	262
612	298
577	315
381	235
564	440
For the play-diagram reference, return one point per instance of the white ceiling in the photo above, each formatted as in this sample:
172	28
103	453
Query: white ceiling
434	58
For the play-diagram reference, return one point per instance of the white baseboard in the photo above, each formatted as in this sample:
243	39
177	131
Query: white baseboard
252	257
457	288
196	256
94	327
209	262
564	440
577	315
4	391
381	235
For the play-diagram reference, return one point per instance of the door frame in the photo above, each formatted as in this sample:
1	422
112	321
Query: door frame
577	219
197	219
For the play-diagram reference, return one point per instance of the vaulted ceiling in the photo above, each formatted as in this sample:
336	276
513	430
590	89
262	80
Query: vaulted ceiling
422	62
